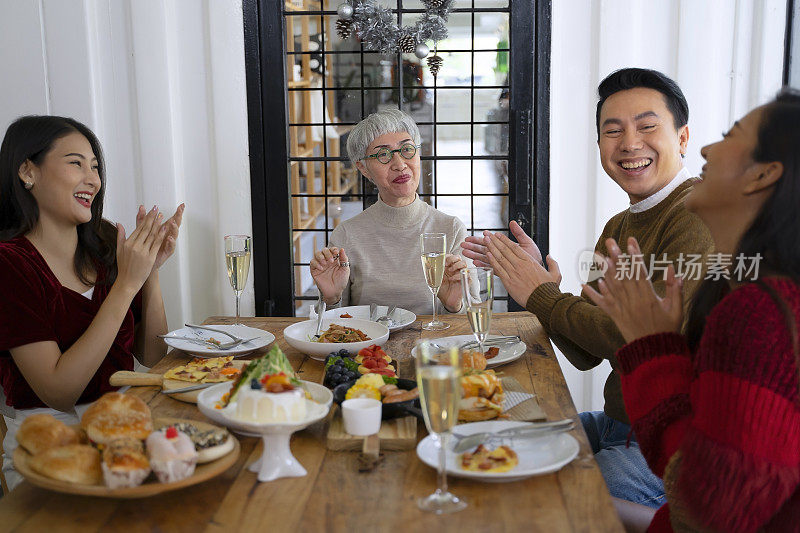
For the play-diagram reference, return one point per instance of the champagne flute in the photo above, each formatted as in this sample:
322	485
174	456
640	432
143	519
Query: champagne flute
440	393
477	289
434	250
237	260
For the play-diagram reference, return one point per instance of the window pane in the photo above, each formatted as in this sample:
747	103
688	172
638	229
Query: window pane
491	139
491	212
348	104
459	206
452	105
453	140
453	176
485	100
455	69
486	68
491	4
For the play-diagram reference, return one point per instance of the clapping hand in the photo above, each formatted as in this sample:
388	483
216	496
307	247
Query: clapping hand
173	226
633	303
520	273
136	255
450	290
475	246
330	269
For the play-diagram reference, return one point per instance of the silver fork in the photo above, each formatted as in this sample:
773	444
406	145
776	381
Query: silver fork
205	342
387	319
497	341
215	330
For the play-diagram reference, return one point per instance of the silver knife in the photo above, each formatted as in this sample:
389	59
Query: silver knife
189	388
373	310
468	442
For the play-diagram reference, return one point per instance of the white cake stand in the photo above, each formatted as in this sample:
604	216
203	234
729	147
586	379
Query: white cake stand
276	460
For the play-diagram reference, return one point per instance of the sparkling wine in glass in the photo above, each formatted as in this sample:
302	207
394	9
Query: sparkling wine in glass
440	394
237	260
434	251
477	288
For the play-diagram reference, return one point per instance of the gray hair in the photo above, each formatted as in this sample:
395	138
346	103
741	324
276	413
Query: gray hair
375	125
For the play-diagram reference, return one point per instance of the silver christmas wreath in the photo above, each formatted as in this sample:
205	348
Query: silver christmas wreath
376	26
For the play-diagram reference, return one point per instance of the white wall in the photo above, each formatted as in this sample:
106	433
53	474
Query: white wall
163	86
727	56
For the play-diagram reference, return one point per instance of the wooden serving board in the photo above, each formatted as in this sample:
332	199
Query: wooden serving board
395	434
148	379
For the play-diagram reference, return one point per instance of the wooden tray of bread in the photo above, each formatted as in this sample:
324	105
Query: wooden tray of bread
197	371
76	464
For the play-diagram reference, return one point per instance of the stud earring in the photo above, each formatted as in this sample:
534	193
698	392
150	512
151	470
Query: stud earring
28	185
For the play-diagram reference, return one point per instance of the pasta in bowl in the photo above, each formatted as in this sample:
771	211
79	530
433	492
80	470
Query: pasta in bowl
336	334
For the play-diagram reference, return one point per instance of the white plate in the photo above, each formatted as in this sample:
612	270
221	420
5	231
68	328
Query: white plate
316	410
402	317
244	332
508	352
537	456
298	336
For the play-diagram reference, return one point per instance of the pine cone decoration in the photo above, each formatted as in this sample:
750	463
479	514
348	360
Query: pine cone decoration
407	44
344	28
435	63
434	4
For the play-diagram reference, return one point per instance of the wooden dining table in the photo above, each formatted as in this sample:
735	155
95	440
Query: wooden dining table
335	495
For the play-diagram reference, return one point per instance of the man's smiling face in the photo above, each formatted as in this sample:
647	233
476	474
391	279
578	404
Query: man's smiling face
640	148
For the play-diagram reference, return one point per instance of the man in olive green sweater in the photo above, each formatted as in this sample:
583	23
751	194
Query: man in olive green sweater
642	132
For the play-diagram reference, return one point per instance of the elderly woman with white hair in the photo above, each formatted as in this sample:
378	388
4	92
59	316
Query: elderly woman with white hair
374	256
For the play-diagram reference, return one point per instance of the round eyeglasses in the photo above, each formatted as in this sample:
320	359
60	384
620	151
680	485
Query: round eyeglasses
384	155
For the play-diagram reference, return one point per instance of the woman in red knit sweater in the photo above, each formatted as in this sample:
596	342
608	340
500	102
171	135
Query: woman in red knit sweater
717	411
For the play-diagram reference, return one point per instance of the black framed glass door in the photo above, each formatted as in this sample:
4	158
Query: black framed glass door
483	119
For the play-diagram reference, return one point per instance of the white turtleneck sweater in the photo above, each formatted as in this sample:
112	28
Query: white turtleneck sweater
382	245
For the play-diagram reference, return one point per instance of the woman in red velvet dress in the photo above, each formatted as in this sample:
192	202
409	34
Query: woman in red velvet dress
78	298
717	411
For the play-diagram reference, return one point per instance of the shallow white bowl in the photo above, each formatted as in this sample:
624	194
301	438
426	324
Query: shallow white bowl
298	335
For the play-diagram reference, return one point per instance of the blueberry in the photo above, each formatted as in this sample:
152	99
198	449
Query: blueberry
343	353
254	384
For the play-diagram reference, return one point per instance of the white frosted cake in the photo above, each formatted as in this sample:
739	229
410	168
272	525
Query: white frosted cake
255	405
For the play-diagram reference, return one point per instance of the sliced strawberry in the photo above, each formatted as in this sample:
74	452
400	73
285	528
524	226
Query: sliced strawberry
366	352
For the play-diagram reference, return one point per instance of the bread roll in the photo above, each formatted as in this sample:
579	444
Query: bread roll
74	463
117	415
473	359
124	463
41	432
477	415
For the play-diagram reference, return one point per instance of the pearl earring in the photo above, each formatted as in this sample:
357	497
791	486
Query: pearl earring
28	185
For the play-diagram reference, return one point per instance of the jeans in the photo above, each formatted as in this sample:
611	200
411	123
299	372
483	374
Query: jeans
623	467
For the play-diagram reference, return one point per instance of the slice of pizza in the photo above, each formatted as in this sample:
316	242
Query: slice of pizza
501	459
213	370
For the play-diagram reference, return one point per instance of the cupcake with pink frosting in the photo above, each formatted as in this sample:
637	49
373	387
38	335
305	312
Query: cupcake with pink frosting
172	455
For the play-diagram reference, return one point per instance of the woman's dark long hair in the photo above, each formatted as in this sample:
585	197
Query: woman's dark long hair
775	232
31	138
